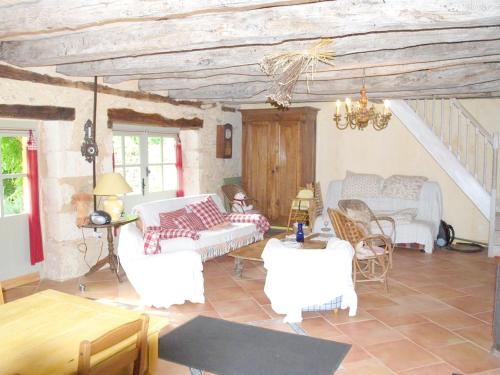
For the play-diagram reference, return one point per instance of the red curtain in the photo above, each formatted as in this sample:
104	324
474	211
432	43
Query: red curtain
178	164
36	243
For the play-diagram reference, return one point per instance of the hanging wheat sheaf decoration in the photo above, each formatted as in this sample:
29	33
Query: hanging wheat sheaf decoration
286	68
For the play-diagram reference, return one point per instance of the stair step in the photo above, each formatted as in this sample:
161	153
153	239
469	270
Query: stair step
497	236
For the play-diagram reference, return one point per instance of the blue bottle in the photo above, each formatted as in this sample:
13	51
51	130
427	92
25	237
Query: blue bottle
300	233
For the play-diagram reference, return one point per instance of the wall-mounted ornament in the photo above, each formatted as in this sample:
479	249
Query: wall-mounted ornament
89	145
224	149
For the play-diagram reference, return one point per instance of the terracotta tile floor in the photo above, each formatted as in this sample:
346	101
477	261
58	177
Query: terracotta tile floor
436	318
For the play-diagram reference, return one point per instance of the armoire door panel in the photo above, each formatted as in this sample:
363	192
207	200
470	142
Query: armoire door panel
278	157
289	157
257	165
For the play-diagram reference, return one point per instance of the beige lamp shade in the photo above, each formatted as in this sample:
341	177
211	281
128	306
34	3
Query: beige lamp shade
112	184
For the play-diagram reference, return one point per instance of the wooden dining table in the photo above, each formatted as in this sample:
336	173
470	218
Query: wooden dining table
40	334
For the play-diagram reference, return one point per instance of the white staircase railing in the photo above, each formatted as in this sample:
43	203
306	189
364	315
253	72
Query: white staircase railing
472	145
464	136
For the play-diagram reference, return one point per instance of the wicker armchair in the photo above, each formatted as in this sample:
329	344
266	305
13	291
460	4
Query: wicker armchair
372	251
360	212
230	191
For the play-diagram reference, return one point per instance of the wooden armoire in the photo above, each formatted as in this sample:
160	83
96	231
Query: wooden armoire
279	157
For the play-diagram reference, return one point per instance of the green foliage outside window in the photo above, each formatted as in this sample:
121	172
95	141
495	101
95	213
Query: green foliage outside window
12	163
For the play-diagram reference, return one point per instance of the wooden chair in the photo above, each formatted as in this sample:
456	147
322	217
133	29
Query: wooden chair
359	211
1	295
230	191
372	251
137	355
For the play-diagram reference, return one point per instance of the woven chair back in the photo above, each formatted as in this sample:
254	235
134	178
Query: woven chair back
362	211
346	228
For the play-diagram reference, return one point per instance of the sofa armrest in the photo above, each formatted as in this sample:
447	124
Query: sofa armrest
130	242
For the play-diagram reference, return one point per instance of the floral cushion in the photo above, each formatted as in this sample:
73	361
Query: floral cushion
357	185
404	187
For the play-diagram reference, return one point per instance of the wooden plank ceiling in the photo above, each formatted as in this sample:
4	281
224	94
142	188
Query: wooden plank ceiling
210	50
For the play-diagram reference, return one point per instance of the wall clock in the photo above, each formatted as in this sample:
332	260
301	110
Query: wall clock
224	147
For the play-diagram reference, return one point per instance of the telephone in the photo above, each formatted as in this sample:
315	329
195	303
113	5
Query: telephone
100	218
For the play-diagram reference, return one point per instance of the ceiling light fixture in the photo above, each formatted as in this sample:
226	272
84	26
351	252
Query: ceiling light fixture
359	115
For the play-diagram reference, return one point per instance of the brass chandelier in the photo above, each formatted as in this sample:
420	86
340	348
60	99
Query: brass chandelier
359	115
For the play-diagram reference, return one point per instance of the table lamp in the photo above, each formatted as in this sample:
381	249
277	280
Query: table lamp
111	184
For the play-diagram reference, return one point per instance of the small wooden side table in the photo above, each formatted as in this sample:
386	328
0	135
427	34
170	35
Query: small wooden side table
111	258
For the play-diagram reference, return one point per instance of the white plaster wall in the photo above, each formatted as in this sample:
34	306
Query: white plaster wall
64	171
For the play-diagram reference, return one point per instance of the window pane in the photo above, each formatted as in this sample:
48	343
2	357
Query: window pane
120	170
13	193
13	155
168	150
132	150
117	149
133	178
169	177
154	150
155	179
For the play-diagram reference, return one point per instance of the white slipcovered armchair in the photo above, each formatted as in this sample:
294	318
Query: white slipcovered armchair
161	280
297	279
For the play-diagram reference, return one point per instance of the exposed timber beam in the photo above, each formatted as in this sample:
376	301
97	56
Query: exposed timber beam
350	52
37	112
126	115
22	19
480	90
263	26
26	75
327	74
413	83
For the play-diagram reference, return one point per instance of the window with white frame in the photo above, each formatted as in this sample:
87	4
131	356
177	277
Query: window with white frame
13	173
146	161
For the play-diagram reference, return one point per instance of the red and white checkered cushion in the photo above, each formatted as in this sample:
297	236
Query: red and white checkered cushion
207	211
196	223
182	222
167	218
189	221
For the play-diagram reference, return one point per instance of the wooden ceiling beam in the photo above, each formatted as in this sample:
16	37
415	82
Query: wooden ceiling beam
12	73
326	74
448	79
34	18
352	51
261	26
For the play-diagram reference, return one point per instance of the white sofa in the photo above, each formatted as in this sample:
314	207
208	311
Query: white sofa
422	229
175	275
298	279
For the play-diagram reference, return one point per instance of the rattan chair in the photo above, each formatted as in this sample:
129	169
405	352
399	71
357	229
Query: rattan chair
230	191
1	295
137	355
360	212
372	251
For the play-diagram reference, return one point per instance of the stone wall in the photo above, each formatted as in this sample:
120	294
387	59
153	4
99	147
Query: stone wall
63	171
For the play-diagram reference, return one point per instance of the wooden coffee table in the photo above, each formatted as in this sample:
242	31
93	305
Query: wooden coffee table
254	251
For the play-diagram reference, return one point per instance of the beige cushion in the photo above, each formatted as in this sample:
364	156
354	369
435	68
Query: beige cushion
405	187
360	185
364	252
